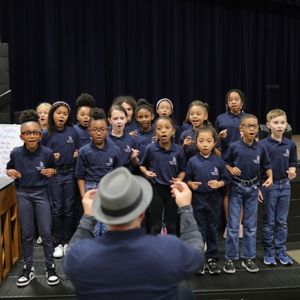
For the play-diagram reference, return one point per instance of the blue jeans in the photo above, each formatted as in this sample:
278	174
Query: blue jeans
63	195
246	197
34	203
276	210
100	228
207	211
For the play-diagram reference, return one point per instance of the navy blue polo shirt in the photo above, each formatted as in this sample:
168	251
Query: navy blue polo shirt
93	163
65	142
283	155
147	135
230	122
30	164
190	150
204	169
252	160
125	143
132	126
165	163
84	136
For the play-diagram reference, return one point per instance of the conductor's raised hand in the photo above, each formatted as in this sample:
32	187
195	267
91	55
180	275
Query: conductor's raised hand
182	193
87	202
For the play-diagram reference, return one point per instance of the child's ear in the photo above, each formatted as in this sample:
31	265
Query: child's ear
241	128
152	117
268	125
21	137
109	120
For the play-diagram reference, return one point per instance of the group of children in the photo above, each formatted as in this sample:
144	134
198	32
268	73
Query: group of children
59	163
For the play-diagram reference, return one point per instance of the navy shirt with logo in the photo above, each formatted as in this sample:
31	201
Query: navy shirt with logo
165	163
253	160
30	164
93	163
126	142
204	169
231	122
283	155
84	136
64	142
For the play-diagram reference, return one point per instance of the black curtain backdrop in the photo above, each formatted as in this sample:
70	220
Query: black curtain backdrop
178	49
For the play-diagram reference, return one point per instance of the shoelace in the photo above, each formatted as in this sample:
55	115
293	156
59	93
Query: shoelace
25	273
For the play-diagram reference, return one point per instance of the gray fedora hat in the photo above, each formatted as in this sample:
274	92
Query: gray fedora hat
121	197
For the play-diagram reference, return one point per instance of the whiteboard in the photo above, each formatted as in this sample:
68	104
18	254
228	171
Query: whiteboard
9	139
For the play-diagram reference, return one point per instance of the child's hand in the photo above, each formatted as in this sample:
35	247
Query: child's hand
12	173
188	141
75	154
235	171
223	134
268	182
56	156
48	172
194	185
260	197
291	173
175	179
214	184
133	133
134	153
150	174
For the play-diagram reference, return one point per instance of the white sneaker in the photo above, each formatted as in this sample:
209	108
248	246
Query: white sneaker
65	249
58	251
241	231
39	240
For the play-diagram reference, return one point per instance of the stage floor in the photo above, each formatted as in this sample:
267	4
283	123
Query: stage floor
279	282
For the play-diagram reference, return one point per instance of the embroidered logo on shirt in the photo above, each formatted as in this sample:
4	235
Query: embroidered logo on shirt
286	153
257	160
127	149
110	162
69	140
173	162
41	166
215	172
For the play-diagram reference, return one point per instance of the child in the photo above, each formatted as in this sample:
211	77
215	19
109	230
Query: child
245	159
198	115
129	103
276	199
205	175
84	104
97	158
128	145
63	139
162	162
43	110
144	115
164	108
30	166
228	128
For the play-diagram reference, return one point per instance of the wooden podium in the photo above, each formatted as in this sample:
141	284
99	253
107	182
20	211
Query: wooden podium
9	227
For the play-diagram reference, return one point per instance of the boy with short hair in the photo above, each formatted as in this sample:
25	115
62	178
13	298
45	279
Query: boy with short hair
283	155
245	159
30	166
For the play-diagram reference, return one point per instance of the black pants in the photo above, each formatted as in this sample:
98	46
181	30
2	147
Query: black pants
163	208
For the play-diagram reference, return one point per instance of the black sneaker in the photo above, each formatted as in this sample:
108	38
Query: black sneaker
212	267
26	276
250	265
52	277
229	267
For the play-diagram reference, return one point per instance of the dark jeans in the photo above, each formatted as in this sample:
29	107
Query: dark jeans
162	202
34	203
63	195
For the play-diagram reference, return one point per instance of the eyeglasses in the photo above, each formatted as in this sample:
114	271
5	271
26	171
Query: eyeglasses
101	130
248	126
29	133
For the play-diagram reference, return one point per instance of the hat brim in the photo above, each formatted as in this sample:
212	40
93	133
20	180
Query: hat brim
147	193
